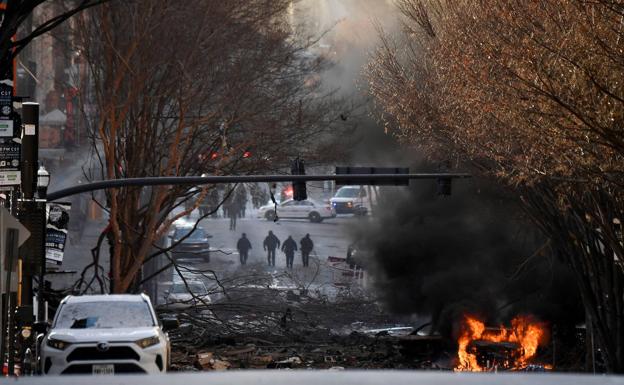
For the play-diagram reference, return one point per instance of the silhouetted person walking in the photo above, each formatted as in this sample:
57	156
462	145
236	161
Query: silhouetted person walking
243	245
289	247
241	200
213	199
306	248
271	242
233	214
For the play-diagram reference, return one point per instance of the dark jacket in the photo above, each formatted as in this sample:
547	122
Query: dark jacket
271	242
241	195
243	244
233	208
289	246
306	244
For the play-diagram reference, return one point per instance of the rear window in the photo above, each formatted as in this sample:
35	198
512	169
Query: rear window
104	315
197	235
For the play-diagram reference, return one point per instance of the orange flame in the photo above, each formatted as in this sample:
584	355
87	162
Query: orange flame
526	333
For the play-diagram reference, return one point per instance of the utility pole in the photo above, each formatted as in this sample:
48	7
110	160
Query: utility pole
30	214
30	149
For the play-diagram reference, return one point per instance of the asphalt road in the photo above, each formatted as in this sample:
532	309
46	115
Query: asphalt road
328	377
331	238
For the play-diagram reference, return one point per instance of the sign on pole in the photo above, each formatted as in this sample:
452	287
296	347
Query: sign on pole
56	231
341	170
9	163
9	222
10	145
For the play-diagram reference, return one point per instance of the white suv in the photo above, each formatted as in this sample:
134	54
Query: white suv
105	334
351	200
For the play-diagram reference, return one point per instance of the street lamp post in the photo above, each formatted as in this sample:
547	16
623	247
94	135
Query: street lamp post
43	181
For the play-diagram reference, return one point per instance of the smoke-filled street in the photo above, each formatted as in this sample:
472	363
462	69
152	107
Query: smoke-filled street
328	185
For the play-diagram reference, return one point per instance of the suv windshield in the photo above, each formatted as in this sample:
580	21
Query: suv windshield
348	193
104	315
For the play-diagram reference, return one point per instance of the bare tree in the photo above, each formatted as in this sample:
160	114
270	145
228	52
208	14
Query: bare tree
530	94
185	88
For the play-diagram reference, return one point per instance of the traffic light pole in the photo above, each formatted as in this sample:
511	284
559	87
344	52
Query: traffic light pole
199	180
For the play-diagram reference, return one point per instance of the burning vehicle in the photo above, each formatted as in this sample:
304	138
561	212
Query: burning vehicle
483	349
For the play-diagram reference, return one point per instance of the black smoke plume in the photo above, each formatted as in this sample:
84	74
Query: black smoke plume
473	252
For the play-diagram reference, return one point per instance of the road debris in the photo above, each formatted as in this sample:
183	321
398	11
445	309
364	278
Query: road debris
285	326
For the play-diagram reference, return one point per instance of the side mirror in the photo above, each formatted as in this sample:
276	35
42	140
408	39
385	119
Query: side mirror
208	236
170	323
41	327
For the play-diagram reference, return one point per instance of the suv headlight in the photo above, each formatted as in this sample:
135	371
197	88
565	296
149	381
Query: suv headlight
57	344
147	342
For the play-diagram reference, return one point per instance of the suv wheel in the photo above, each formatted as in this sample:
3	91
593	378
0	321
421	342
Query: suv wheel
270	215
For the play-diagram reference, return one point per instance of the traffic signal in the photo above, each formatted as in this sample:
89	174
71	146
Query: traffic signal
299	188
444	186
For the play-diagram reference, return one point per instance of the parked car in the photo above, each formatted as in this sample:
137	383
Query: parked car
181	296
306	209
106	334
351	200
190	243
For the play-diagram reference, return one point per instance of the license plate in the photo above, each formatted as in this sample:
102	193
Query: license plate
103	369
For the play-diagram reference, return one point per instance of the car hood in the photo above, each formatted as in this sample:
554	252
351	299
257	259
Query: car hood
193	242
99	335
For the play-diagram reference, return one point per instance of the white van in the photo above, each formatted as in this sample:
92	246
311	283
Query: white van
351	200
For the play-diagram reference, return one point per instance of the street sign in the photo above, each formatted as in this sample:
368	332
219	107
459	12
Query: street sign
9	222
374	170
6	101
10	153
56	231
6	128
